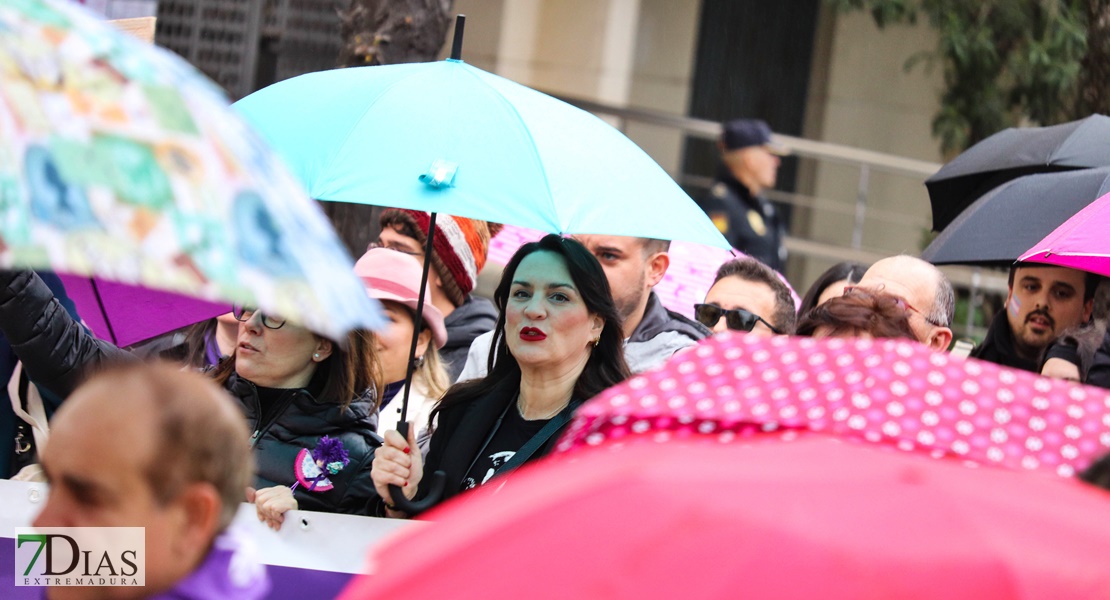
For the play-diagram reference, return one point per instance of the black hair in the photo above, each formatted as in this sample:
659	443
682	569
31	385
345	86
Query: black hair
1090	280
605	366
847	270
750	269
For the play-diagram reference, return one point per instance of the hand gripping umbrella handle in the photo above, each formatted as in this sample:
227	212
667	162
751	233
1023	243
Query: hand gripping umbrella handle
435	491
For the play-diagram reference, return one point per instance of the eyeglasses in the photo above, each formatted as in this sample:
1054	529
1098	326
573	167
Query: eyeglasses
736	319
900	302
243	314
395	248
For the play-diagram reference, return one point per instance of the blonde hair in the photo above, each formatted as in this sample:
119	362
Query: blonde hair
431	376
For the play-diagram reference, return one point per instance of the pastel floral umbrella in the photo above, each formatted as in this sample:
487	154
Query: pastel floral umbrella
896	393
120	161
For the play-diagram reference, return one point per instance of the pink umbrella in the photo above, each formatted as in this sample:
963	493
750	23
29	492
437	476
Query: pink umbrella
1080	243
693	267
811	518
893	392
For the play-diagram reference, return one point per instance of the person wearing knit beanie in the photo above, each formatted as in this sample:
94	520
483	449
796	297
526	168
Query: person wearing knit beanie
459	253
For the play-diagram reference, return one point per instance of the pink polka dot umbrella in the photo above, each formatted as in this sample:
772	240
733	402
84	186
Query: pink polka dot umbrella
892	392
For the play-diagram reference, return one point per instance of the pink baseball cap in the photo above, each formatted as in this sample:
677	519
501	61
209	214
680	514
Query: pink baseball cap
391	275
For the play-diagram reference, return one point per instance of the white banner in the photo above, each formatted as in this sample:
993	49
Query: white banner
307	540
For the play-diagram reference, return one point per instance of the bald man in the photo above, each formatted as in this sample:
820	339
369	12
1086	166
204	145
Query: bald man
928	295
152	446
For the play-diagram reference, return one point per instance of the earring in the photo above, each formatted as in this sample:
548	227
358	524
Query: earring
596	341
419	362
316	355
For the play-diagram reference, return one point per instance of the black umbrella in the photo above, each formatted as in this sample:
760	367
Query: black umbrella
1006	222
1013	153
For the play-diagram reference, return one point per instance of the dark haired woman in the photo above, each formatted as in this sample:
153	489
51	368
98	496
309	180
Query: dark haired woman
558	343
294	386
831	284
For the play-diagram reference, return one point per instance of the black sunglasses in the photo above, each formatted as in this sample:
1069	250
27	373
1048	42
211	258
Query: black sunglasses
737	319
243	314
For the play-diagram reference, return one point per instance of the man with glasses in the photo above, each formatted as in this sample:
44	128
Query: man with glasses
460	252
747	296
925	291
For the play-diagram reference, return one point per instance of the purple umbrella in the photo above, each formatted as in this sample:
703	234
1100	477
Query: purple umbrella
128	314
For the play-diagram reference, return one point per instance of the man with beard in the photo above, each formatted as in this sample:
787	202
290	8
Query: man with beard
633	266
1042	302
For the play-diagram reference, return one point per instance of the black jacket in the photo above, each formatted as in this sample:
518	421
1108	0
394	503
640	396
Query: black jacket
750	223
301	424
462	431
998	347
476	316
57	351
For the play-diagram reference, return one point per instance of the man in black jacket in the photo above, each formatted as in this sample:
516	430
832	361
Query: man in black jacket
1042	302
735	204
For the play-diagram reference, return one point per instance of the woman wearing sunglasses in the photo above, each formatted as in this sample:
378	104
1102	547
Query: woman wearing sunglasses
294	386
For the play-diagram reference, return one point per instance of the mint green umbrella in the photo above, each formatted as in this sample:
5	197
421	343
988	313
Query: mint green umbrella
491	148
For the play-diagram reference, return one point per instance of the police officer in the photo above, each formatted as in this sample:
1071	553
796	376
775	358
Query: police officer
749	165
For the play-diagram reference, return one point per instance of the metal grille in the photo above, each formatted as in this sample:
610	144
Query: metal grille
310	40
245	44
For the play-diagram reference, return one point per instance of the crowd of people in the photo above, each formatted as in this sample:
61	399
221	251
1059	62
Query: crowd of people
252	407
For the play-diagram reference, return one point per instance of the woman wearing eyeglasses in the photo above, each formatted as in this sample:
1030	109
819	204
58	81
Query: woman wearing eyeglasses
294	386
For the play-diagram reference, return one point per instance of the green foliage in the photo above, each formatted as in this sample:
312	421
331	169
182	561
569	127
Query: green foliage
1004	61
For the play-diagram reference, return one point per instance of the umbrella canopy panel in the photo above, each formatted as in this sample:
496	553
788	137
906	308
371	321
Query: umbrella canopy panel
366	135
811	518
889	392
1080	243
1013	153
1007	221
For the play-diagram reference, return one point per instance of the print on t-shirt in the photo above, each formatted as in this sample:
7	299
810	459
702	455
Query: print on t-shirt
497	459
510	436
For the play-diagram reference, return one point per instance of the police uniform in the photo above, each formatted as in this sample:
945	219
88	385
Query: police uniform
750	223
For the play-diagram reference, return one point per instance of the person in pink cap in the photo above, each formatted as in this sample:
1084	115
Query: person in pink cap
393	278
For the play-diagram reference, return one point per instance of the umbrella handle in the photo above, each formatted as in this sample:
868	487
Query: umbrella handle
413	508
435	491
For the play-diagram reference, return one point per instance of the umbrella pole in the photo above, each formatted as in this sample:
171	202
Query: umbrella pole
103	311
439	478
456	43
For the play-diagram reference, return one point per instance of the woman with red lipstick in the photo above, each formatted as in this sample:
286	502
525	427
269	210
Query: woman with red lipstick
557	344
294	386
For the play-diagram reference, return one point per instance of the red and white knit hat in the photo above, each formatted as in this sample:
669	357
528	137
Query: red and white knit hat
460	247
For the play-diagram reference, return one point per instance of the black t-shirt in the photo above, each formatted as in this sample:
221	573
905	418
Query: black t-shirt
513	433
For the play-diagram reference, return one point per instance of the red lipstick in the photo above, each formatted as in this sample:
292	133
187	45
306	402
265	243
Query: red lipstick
531	334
